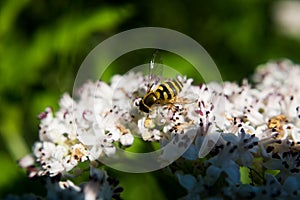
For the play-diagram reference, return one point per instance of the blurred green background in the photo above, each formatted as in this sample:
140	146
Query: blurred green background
43	43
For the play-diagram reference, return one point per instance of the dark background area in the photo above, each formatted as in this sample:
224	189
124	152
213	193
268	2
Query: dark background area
43	43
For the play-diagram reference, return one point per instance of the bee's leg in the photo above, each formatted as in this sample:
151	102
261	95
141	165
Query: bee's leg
148	123
178	127
171	104
182	100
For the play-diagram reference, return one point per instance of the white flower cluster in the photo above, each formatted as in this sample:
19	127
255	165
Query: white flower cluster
261	132
232	124
99	186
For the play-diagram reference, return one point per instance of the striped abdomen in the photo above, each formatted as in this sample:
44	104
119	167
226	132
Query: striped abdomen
168	90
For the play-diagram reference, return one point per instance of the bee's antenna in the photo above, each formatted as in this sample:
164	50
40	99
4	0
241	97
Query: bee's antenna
151	68
152	63
155	71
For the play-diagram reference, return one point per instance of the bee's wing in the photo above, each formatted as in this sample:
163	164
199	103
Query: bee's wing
155	70
208	143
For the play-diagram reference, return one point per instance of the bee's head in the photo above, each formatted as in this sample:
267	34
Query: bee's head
143	107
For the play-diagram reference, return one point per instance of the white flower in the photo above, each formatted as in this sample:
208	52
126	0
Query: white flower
239	191
222	163
241	147
212	174
271	190
209	116
287	163
291	186
193	186
101	186
126	139
87	127
52	129
148	134
97	143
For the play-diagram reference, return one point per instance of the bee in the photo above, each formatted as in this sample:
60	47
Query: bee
163	94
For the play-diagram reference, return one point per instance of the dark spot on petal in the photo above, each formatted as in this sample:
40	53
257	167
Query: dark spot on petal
269	149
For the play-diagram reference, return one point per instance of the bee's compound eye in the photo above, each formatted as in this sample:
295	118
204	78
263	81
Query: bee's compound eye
137	102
